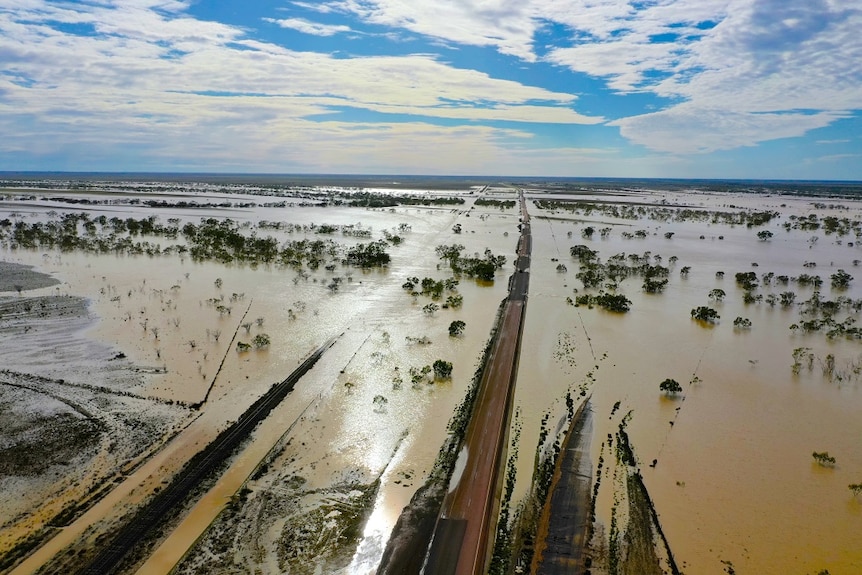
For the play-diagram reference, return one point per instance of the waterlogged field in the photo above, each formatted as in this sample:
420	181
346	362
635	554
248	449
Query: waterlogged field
727	460
367	414
149	337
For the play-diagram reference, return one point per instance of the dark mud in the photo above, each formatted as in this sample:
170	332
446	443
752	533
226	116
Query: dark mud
18	277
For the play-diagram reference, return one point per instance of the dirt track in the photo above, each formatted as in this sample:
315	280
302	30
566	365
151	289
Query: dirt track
565	522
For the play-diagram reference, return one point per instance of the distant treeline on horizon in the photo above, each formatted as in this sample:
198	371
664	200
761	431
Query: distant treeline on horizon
435	182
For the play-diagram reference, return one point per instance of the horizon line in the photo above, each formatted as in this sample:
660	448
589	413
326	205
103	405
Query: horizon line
5	174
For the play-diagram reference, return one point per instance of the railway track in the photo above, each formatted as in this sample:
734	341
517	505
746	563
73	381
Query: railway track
200	467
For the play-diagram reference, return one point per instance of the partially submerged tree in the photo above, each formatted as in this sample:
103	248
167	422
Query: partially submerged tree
442	369
454	301
800	355
841	280
380	403
614	302
670	386
260	341
456	327
611	302
823	459
786	298
705	314
717	294
372	254
746	280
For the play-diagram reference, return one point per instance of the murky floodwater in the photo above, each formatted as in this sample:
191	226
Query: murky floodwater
735	480
132	296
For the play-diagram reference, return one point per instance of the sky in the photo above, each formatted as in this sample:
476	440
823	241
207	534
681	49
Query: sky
762	89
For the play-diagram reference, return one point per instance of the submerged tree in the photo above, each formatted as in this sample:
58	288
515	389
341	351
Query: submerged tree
823	458
456	327
705	314
717	294
670	386
442	369
841	280
260	341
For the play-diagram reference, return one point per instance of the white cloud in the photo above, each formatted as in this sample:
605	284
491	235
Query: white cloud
184	55
687	128
307	27
837	158
504	24
728	57
171	87
319	7
762	70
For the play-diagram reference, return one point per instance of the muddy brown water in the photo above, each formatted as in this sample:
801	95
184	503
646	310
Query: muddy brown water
373	311
735	480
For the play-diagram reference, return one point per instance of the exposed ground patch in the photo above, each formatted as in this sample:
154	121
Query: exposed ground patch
18	277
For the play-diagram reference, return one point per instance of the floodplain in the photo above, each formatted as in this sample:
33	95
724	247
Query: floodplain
139	318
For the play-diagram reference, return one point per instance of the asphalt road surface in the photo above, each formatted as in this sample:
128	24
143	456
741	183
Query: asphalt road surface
464	536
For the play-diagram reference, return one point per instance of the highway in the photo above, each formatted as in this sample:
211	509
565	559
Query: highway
463	538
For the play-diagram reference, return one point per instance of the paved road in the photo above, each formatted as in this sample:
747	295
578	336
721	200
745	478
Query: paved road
463	539
200	467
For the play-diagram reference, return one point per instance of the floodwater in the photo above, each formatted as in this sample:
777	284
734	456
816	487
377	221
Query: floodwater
133	295
734	480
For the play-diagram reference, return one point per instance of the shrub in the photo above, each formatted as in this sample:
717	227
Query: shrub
260	341
456	327
704	313
670	386
442	369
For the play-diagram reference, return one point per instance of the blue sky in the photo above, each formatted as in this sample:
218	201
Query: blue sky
648	88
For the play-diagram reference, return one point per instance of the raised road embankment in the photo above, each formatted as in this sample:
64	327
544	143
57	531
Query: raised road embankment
147	520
